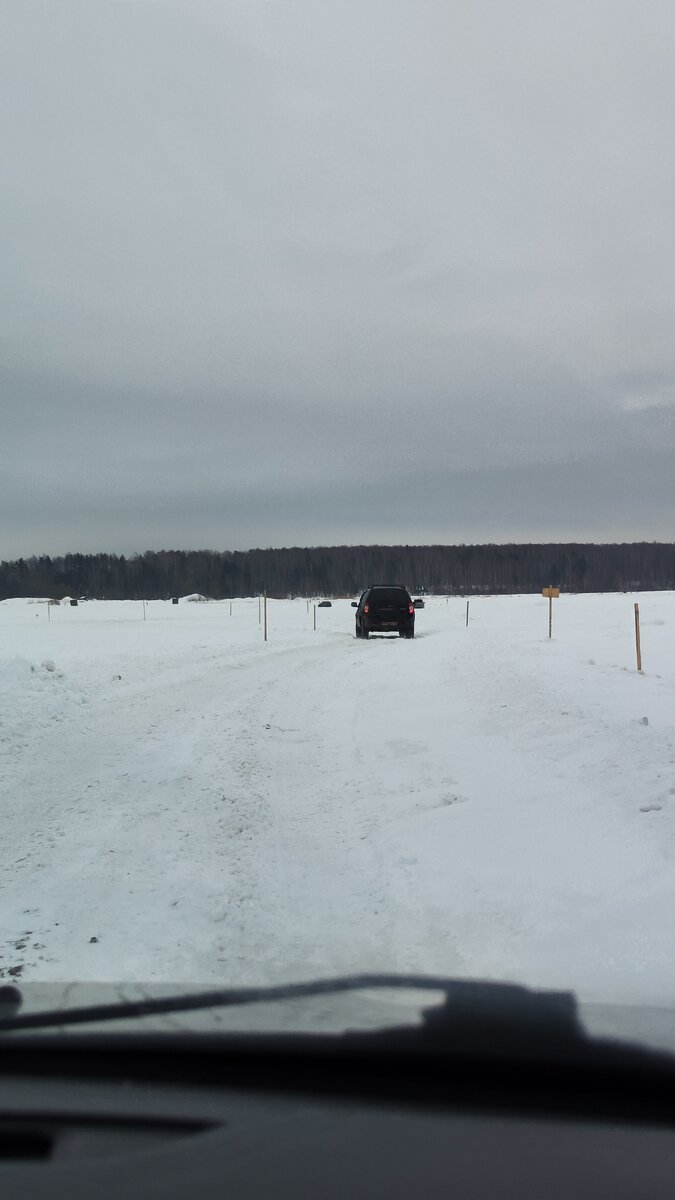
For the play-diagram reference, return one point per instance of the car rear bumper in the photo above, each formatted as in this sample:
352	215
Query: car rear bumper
373	625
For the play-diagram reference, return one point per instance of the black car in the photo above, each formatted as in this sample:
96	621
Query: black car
383	609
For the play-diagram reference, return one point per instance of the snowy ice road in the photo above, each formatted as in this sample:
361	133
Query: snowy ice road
209	808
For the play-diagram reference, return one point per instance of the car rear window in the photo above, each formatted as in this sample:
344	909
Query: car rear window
392	595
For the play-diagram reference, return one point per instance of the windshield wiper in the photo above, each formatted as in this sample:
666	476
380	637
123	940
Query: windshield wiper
486	1046
470	1007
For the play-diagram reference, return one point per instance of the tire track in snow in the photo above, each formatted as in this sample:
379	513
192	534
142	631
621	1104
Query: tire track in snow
338	904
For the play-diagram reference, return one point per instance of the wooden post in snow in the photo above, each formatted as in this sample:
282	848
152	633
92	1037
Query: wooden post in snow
552	593
265	611
638	651
467	614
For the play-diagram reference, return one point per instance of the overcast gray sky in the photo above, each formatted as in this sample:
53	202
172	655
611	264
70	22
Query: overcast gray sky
299	272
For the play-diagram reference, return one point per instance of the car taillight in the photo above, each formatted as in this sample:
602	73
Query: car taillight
365	608
411	609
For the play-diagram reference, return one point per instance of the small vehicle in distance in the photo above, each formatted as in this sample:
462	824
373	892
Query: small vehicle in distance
383	610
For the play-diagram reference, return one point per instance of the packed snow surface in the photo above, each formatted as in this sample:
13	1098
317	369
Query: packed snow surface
183	802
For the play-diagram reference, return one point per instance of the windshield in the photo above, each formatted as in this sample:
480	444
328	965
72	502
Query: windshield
296	298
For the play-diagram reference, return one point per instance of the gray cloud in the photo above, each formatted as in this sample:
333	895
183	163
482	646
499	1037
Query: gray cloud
290	273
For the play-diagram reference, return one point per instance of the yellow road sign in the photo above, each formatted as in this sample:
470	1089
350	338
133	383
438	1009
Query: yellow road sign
551	593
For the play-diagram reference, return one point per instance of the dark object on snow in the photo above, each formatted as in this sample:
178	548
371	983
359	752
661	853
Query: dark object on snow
418	603
93	939
174	599
385	609
73	603
325	604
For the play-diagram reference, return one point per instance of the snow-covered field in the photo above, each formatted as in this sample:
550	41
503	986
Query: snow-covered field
182	802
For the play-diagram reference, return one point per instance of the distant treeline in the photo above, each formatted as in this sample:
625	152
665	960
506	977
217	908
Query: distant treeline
344	571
